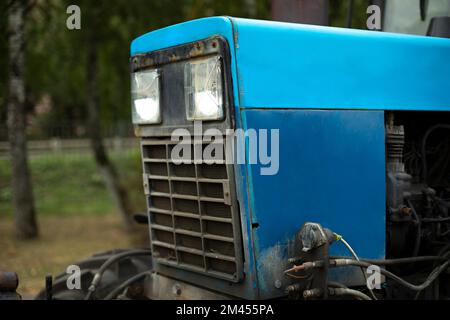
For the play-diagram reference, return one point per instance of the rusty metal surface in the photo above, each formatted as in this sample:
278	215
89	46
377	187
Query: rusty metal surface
162	288
193	213
183	52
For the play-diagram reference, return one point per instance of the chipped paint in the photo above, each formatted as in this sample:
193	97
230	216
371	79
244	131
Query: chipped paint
271	265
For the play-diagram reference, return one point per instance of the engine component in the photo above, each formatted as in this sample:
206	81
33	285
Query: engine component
312	236
311	249
399	182
414	208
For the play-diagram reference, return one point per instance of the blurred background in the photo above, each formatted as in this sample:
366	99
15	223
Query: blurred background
70	173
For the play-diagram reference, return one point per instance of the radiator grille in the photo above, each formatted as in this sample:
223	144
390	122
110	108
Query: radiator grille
193	214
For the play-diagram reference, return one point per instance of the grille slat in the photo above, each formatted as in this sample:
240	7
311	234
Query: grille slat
194	224
173	178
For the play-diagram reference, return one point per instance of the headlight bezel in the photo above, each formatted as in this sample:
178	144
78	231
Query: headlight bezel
212	98
150	93
172	84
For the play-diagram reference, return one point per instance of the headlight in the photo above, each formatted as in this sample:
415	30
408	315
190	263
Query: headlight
204	89
145	97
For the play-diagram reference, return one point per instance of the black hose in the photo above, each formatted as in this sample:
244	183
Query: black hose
98	275
433	275
125	284
436	219
336	284
424	144
444	252
444	234
348	292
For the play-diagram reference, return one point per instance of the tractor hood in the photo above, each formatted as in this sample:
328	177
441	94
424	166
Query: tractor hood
286	65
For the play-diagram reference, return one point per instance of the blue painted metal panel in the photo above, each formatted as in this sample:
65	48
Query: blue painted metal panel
331	171
282	65
285	65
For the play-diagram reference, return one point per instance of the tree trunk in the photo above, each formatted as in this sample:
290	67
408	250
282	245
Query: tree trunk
106	168
301	11
22	191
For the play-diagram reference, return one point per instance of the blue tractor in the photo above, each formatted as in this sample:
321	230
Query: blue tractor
286	160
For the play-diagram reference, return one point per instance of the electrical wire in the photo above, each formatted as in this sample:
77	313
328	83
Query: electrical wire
349	247
444	219
418	229
385	262
297	277
442	161
432	276
424	145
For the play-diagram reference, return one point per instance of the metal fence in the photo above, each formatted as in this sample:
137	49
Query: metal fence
66	139
66	129
71	147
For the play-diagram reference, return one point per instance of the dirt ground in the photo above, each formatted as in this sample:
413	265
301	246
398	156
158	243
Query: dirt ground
63	241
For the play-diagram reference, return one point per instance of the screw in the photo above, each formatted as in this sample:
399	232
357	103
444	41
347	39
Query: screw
176	289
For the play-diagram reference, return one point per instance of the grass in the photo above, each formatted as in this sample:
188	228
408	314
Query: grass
63	241
71	185
75	213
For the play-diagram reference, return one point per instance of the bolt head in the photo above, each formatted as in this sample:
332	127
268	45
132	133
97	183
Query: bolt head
176	289
277	284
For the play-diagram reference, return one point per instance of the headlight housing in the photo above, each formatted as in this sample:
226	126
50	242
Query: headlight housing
204	89
145	97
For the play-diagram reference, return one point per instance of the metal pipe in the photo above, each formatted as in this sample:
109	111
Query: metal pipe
433	275
348	292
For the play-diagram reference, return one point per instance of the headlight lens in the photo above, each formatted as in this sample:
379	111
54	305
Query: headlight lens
204	89
145	97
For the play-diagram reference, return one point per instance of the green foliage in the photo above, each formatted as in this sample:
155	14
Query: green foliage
71	185
56	56
56	68
338	13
